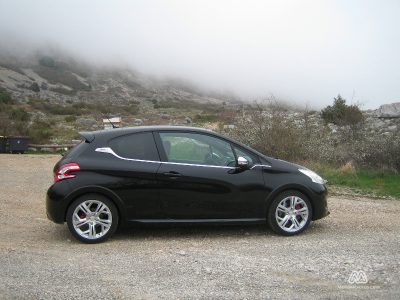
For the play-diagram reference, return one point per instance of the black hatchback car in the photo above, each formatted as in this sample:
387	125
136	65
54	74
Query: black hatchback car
174	174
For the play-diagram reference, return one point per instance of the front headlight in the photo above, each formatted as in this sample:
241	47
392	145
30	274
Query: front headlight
313	176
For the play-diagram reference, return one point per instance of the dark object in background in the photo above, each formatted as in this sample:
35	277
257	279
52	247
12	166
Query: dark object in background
3	144
18	144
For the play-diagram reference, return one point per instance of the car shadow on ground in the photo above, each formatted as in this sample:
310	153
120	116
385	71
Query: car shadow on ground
161	231
197	231
185	231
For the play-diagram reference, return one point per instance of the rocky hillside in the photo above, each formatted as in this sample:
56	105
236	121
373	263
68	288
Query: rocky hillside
63	81
53	99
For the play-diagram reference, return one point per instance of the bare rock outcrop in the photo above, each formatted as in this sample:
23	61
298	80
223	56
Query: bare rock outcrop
388	111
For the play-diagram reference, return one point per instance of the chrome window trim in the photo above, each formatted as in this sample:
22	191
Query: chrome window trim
111	151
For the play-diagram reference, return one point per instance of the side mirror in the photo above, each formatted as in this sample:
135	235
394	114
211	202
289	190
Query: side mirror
242	162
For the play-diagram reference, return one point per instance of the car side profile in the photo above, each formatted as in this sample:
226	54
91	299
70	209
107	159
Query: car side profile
170	174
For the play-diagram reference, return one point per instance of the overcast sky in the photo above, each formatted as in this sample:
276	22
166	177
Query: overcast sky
301	51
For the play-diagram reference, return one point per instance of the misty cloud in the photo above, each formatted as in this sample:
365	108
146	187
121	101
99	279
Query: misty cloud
301	51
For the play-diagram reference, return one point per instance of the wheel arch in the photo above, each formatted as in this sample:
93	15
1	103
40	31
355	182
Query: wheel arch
290	187
93	189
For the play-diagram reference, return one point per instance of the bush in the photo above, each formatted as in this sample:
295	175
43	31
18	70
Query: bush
45	106
19	114
274	132
40	131
5	97
70	119
268	130
14	121
35	87
342	114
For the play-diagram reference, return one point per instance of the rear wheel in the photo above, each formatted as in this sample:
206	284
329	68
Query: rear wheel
92	218
290	213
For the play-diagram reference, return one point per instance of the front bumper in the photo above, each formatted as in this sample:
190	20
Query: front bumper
320	202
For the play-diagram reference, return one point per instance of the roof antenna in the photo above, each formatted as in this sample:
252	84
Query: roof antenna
112	124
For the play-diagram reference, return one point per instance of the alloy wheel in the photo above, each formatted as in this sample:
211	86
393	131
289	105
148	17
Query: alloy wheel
92	219
292	214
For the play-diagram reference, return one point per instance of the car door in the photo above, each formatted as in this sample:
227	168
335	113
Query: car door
135	164
199	179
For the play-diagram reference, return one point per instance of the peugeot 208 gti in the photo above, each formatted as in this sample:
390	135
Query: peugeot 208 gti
178	175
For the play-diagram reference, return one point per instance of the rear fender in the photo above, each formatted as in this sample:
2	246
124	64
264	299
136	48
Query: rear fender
93	189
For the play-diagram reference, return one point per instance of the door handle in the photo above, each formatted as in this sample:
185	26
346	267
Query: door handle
172	174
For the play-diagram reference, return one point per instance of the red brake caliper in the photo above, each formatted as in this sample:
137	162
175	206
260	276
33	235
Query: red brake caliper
297	206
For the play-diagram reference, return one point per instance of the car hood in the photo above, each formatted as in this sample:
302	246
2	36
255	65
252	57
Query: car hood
283	165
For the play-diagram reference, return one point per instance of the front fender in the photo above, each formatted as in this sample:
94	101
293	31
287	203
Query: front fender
316	194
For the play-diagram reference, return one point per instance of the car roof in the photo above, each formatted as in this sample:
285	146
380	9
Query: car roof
115	132
110	133
128	130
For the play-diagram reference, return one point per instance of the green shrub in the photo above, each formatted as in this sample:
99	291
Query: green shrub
45	106
35	87
132	109
70	119
5	97
40	131
19	114
342	114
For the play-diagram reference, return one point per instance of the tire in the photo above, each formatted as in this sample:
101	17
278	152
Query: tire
89	225
290	213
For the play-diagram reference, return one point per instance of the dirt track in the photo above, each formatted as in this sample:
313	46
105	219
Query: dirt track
40	259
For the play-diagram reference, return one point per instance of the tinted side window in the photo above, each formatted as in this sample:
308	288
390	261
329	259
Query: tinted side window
196	148
136	146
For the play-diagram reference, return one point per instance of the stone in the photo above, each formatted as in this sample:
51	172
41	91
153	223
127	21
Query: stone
188	120
388	111
138	121
333	127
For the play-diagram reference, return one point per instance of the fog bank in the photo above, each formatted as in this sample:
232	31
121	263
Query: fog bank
305	52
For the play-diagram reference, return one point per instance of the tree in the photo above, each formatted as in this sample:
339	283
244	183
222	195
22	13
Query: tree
35	87
342	114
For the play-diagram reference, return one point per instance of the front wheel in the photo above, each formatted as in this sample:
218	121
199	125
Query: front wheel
92	218
290	213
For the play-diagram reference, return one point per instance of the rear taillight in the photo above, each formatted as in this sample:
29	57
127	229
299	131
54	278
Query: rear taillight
64	172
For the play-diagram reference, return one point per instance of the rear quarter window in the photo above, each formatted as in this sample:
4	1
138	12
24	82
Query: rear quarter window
135	146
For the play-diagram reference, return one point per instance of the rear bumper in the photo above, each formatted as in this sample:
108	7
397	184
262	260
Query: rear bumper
56	204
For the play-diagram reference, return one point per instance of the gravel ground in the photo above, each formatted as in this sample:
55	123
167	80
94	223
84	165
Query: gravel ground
40	259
